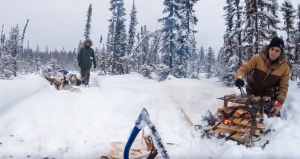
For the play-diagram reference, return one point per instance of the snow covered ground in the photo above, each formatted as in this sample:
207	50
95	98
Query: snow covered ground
37	121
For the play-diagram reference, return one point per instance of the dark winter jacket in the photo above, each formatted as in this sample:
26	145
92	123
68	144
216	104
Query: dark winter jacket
86	56
269	79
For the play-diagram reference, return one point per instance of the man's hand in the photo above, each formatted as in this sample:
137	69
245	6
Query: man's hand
94	66
239	83
274	111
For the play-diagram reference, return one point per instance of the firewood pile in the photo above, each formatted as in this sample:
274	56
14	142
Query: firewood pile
241	118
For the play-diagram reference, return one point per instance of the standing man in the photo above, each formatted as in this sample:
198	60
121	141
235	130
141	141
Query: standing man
85	58
270	74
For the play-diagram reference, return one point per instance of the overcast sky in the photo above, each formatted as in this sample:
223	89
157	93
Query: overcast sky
60	23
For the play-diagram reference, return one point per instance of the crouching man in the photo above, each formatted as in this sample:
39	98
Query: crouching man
270	74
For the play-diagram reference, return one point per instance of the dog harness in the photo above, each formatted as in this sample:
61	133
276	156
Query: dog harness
57	85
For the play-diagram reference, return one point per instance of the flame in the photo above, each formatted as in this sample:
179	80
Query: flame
228	122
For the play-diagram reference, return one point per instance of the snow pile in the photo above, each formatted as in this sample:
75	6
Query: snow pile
12	91
62	124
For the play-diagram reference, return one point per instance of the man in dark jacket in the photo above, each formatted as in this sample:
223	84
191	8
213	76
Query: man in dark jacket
85	58
270	74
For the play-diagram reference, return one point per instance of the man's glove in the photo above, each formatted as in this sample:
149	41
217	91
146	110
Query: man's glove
94	66
239	83
274	111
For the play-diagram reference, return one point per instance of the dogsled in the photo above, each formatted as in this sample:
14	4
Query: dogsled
143	148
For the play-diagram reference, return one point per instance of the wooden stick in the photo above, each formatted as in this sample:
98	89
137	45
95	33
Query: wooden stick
186	117
188	120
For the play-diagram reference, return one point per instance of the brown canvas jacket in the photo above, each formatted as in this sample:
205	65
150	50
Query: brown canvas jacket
268	79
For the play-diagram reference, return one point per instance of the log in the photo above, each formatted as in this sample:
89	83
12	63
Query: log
220	119
245	122
258	115
220	110
229	110
239	137
257	132
211	128
235	128
237	120
259	125
223	131
114	155
238	113
235	105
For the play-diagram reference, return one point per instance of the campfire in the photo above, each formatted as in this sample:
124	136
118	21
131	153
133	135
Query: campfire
241	118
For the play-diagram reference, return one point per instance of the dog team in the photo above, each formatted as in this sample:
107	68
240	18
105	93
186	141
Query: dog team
85	58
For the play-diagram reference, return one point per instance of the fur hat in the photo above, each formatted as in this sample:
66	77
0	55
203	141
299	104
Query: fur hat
277	42
88	41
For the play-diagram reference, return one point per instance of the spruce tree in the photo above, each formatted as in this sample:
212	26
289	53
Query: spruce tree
296	42
201	60
229	22
237	32
289	19
132	29
13	49
220	63
232	38
120	33
87	29
256	29
2	42
210	63
273	8
117	45
171	24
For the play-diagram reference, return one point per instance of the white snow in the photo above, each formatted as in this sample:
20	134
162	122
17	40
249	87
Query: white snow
39	121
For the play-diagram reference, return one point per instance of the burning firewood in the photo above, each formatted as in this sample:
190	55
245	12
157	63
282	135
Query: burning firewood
240	118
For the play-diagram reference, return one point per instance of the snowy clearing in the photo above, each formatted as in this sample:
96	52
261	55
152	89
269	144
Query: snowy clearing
38	121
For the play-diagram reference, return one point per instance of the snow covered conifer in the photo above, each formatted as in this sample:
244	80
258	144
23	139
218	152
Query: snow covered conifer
13	49
2	42
256	29
171	24
210	63
117	6
132	28
229	17
230	70
220	63
273	9
79	46
87	29
289	19
295	40
117	36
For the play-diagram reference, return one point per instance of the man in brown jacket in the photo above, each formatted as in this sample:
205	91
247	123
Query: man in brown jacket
270	74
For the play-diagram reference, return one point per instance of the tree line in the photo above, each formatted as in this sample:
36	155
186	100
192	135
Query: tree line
170	50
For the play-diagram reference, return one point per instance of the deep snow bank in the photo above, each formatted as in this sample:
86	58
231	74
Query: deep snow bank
11	91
